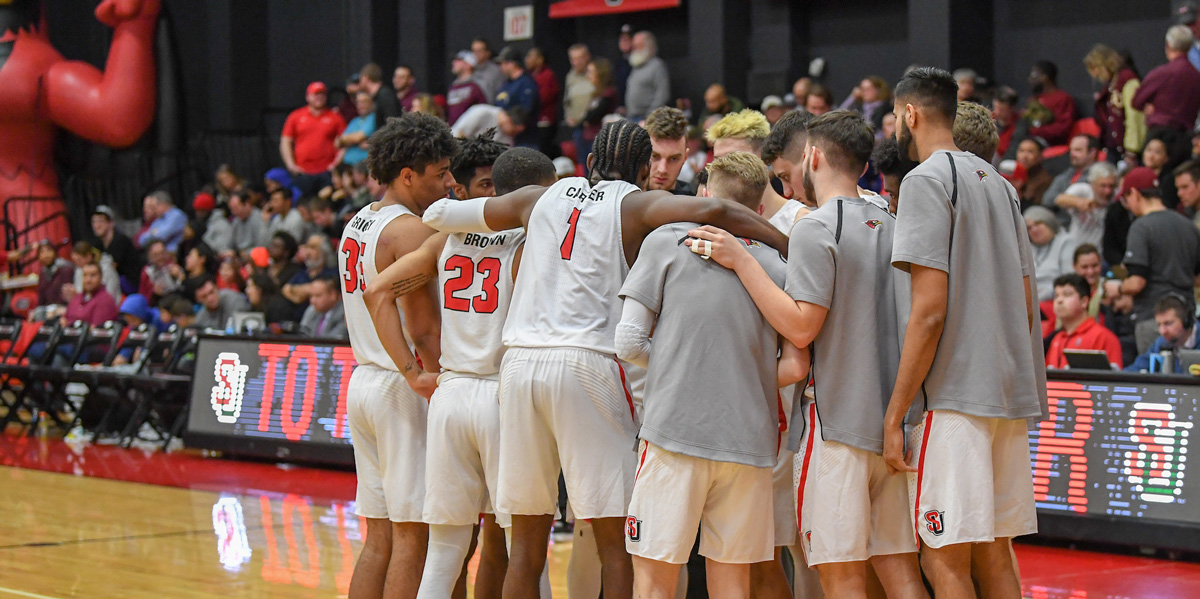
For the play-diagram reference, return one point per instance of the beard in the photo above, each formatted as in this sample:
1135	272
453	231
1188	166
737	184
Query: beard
904	139
638	58
315	264
810	192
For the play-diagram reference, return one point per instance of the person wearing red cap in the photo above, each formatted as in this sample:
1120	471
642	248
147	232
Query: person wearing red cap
1162	252
218	232
306	144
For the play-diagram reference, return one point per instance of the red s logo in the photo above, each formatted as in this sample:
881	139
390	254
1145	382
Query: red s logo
934	522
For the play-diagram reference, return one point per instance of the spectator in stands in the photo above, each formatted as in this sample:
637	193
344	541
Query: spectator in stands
800	91
347	107
621	67
519	90
1034	182
1051	111
176	311
157	279
1079	331
325	219
279	178
717	102
465	91
602	104
281	216
325	318
1162	253
263	294
549	95
1187	187
404	83
384	97
166	221
135	311
1088	264
578	90
282	251
353	140
1122	127
117	245
229	275
1087	202
315	256
668	129
217	306
1006	115
83	254
487	72
249	227
199	265
893	166
226	183
1175	323
819	100
93	304
306	143
56	273
1083	151
649	83
1154	157
218	232
975	131
871	98
1053	249
965	78
1170	97
772	107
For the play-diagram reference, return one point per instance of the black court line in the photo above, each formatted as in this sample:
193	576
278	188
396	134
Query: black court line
158	535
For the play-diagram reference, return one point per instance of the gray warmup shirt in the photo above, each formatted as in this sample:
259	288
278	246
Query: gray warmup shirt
847	268
711	385
961	217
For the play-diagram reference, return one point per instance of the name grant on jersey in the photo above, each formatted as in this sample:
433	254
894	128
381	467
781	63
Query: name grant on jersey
361	224
483	241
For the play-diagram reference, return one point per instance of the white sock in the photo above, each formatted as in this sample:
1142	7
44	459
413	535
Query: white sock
448	545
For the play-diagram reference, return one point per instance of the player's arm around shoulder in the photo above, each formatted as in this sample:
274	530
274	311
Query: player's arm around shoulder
643	212
484	215
411	272
794	364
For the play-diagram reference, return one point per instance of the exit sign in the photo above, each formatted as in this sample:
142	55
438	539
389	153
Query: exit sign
518	23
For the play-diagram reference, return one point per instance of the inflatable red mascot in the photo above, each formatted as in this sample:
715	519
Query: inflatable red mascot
40	91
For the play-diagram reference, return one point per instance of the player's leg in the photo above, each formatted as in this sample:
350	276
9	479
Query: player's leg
728	580
409	543
583	569
894	564
371	568
616	569
995	570
460	586
653	579
949	570
900	576
527	555
768	580
493	560
449	545
844	579
994	563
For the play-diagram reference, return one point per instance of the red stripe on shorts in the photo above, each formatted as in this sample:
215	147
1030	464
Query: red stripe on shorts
920	476
641	461
808	448
783	423
625	388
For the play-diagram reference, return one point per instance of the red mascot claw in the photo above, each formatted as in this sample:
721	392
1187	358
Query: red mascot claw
40	91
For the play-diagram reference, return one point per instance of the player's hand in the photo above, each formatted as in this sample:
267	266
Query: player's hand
115	12
424	384
717	244
893	450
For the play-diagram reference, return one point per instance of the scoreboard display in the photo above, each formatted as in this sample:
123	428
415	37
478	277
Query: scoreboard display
276	398
1111	462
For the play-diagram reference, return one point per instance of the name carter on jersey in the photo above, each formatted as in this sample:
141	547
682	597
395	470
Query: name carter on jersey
582	193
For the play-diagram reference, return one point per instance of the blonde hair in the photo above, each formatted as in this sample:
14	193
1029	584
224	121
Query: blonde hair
738	176
748	124
1104	58
975	131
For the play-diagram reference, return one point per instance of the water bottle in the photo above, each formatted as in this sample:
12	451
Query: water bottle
1168	361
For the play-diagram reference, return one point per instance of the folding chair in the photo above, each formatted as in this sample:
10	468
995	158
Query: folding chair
142	385
15	372
10	334
50	378
110	385
169	391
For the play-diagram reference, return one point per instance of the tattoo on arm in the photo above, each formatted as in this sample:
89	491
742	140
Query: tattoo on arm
409	367
410	284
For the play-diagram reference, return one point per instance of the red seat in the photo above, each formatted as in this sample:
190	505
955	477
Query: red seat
1086	126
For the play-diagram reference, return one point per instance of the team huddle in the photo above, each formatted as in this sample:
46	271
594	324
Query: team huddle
847	383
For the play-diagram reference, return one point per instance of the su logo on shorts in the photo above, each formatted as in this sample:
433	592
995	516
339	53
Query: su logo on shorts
633	529
934	522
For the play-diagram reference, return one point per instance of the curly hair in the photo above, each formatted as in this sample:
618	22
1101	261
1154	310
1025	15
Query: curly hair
475	152
622	150
975	131
414	141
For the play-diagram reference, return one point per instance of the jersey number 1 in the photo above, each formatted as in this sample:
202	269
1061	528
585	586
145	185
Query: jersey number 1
354	279
488	300
568	244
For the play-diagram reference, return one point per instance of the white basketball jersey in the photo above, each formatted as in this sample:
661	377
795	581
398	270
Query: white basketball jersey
785	217
356	262
572	269
475	286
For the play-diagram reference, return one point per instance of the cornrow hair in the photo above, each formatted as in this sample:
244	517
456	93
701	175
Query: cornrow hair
621	149
475	152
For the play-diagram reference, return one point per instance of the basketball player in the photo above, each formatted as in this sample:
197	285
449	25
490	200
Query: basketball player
977	396
410	155
462	455
789	129
747	131
562	397
842	299
710	437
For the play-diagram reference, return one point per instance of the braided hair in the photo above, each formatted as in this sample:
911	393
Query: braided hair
622	149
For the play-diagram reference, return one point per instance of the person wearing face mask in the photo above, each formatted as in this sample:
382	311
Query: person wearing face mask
1052	249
